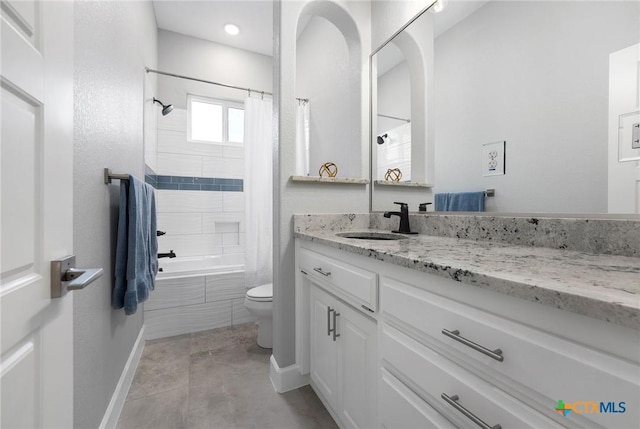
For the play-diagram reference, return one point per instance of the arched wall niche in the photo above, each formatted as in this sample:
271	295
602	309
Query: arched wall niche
329	72
418	63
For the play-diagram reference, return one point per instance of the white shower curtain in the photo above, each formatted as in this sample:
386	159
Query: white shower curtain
258	191
302	139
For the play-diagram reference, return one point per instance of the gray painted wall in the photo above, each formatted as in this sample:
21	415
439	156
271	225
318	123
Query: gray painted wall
113	43
572	130
193	57
388	16
296	198
540	81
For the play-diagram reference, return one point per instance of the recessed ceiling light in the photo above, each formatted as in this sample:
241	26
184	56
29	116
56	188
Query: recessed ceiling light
231	29
439	5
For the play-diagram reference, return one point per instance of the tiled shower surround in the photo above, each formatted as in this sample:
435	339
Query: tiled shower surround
199	191
200	206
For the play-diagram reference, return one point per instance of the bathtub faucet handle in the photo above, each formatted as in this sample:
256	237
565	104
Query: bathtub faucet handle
167	255
159	233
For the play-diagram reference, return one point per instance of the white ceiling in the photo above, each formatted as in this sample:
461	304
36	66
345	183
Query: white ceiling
454	12
206	20
390	56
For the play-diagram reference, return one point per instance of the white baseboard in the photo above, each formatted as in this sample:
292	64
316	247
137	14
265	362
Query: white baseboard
111	416
288	378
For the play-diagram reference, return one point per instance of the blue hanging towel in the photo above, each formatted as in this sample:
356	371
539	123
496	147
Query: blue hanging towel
137	245
466	202
441	202
460	201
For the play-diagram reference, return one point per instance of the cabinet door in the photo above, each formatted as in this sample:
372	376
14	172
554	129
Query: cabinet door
324	355
358	368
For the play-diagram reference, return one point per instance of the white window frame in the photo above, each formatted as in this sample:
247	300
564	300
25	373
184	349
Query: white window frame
226	104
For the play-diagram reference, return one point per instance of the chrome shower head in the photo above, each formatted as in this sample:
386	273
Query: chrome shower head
166	109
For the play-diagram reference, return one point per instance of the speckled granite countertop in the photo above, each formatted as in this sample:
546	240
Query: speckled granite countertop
605	287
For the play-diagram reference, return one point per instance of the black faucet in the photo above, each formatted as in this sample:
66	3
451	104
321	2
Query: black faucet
422	207
404	227
167	255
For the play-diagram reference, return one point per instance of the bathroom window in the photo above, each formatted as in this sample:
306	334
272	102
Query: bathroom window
215	121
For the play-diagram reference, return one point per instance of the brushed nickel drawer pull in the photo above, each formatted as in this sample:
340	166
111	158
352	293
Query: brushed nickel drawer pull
329	310
335	325
453	401
367	308
324	273
493	354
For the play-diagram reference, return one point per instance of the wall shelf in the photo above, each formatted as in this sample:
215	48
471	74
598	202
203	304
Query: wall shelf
336	180
405	184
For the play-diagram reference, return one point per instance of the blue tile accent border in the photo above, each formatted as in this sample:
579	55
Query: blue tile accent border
150	176
189	183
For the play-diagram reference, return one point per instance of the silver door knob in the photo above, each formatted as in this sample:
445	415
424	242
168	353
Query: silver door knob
65	276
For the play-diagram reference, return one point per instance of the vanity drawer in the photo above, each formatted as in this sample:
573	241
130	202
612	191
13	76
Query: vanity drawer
433	376
552	367
358	284
401	408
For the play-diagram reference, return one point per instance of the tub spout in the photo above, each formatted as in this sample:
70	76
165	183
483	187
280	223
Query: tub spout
167	255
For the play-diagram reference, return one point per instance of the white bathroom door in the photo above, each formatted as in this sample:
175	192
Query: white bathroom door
624	114
36	206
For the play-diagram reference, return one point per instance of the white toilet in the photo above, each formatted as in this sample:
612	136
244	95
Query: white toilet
259	302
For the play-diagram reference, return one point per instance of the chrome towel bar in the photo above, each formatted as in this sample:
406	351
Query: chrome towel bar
108	176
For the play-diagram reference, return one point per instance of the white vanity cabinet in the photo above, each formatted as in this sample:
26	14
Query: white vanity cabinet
342	336
440	353
323	313
343	358
474	365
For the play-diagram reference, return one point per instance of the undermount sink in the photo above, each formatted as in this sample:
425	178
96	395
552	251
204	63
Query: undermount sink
370	235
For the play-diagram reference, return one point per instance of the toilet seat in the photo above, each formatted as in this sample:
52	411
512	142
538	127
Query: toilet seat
262	293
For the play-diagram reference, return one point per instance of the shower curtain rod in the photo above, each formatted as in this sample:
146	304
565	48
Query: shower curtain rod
263	93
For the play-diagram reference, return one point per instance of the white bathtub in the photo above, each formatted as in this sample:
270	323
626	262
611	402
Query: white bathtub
199	265
195	294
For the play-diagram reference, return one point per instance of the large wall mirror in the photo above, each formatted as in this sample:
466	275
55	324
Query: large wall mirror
549	89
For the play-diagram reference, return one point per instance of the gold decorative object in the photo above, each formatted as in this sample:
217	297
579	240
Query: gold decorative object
328	167
393	175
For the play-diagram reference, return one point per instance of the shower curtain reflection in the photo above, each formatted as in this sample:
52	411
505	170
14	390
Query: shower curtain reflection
302	138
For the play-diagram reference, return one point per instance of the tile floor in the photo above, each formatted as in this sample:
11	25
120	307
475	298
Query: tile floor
215	379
